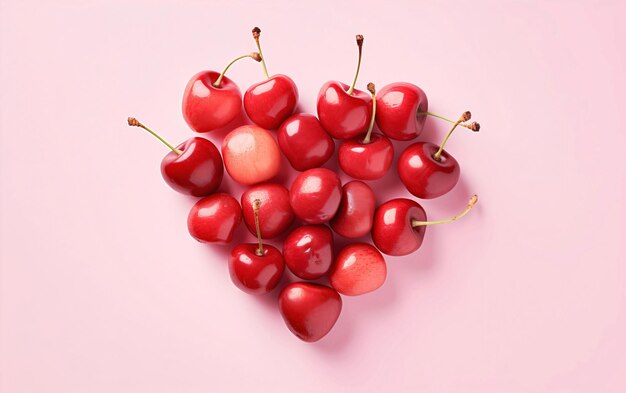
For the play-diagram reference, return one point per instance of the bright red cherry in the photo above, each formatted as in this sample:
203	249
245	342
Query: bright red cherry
275	214
344	111
355	215
367	158
211	100
359	268
270	102
251	155
304	142
427	170
309	310
194	167
315	195
400	224
402	110
256	269
214	218
308	251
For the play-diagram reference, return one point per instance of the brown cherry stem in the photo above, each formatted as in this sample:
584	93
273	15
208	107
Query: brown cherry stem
474	126
256	34
136	123
473	200
359	43
368	137
254	55
256	206
464	117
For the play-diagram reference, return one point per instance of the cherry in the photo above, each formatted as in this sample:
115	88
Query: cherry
315	195
355	215
427	170
214	218
194	167
309	310
400	224
367	158
401	111
304	142
308	251
256	269
270	102
211	100
359	268
251	155
344	111
275	213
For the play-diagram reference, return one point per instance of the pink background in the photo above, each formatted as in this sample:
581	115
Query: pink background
103	290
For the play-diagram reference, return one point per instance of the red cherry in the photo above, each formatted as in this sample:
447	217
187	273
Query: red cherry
304	142
315	195
275	214
367	158
355	215
256	269
344	111
427	170
251	155
211	100
359	268
270	102
214	218
400	224
401	111
194	167
308	251
309	310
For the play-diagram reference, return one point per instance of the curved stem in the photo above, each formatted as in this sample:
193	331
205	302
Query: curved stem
136	123
256	33
437	155
218	82
368	136
257	204
471	126
359	42
473	200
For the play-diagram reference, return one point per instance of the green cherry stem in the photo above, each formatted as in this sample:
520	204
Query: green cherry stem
368	137
254	55
136	123
473	200
256	34
464	117
359	43
472	126
256	206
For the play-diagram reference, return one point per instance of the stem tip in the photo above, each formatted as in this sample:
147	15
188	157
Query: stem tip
466	116
359	40
256	33
473	200
371	88
133	122
256	56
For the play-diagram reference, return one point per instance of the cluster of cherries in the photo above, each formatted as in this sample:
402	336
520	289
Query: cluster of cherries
251	156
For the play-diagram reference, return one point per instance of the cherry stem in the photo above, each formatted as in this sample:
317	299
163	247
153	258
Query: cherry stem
359	42
472	126
254	55
136	123
257	204
464	117
368	137
473	200
256	34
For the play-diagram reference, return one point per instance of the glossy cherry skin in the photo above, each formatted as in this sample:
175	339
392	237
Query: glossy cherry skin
275	213
355	215
358	269
309	310
255	274
308	251
366	161
397	105
251	155
270	102
343	115
214	219
423	175
315	195
392	232
197	171
304	142
206	107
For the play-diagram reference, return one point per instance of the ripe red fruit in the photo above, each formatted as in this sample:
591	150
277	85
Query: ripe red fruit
358	269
